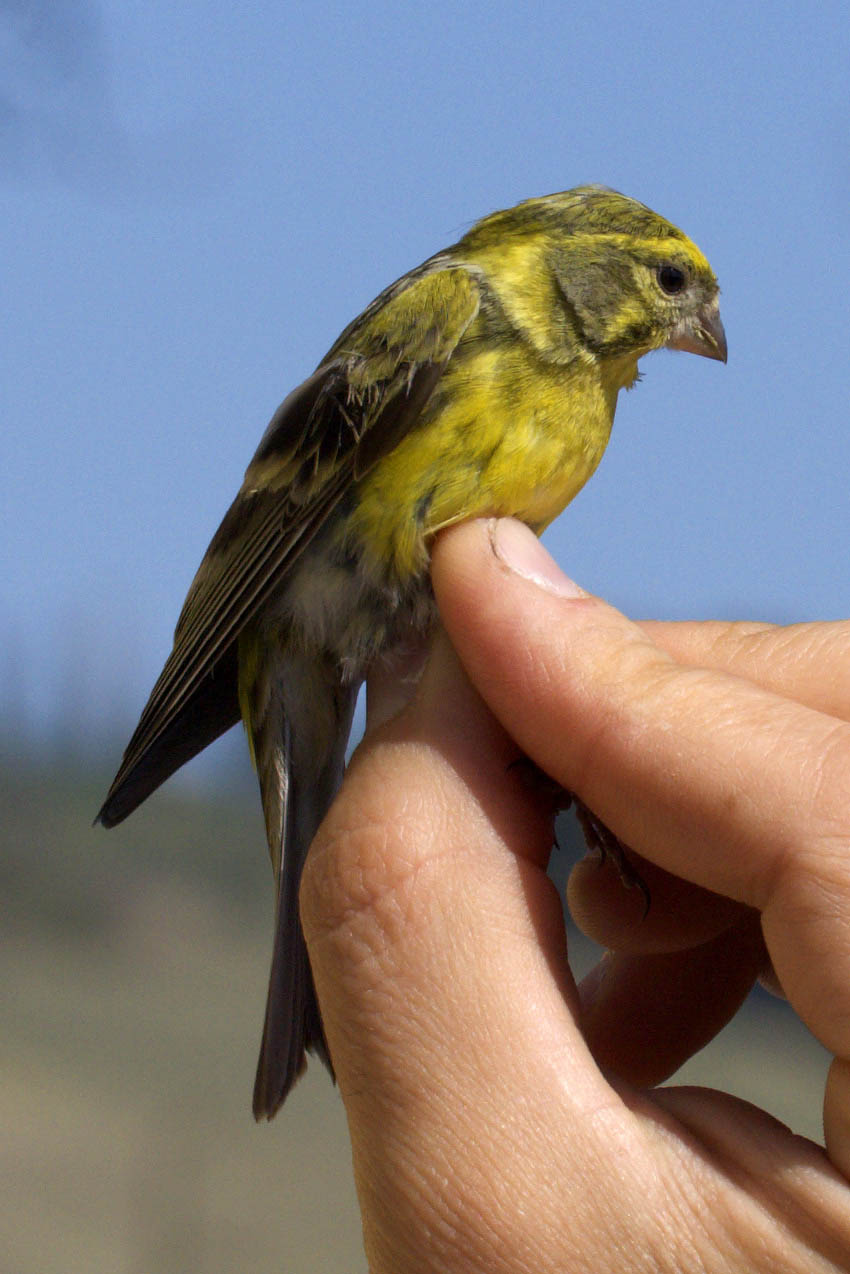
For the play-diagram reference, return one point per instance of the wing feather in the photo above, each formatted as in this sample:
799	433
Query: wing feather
364	397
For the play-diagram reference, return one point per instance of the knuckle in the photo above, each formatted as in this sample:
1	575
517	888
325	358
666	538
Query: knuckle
811	872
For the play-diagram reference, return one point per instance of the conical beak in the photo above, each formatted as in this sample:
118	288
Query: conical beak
702	334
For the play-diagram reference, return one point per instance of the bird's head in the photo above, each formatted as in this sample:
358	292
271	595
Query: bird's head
622	280
633	281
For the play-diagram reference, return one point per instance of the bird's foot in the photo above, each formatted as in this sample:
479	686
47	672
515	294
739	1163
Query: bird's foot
598	838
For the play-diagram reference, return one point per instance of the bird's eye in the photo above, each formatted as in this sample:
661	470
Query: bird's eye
671	279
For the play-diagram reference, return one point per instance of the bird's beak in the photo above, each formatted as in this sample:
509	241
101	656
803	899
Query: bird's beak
701	334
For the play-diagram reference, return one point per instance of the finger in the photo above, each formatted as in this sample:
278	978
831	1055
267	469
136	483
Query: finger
806	662
768	979
672	915
644	1016
719	781
836	1114
435	937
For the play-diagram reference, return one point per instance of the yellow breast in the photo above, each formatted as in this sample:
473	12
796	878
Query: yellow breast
506	434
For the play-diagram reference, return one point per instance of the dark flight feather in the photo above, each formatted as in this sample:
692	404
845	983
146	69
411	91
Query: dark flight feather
365	397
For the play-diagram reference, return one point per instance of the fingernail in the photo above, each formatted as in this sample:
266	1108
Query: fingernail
521	551
588	988
392	682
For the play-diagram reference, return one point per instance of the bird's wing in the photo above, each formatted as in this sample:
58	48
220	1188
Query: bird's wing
365	396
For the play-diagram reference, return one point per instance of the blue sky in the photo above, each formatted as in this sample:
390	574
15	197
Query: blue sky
197	198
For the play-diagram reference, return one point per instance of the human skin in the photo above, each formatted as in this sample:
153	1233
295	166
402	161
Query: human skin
502	1118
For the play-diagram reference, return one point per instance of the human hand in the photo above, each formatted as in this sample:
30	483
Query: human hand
485	1135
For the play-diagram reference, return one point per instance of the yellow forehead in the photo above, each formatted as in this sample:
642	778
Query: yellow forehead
674	247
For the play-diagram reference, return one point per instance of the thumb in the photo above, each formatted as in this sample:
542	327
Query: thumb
584	692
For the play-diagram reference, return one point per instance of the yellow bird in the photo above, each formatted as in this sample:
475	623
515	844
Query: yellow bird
483	382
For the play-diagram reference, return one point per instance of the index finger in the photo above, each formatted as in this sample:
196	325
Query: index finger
809	662
718	780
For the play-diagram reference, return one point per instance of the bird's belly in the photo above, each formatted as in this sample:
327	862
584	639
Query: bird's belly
339	602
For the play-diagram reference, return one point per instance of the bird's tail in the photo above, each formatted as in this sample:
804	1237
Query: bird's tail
298	713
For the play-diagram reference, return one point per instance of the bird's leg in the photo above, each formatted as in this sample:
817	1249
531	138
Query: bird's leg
598	838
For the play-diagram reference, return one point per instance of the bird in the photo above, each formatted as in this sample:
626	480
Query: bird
481	383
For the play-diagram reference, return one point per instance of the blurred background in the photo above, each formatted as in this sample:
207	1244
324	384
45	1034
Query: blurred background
196	199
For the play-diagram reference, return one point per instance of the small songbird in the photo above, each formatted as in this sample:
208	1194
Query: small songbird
482	383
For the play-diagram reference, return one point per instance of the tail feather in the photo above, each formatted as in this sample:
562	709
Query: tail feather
300	721
292	1025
